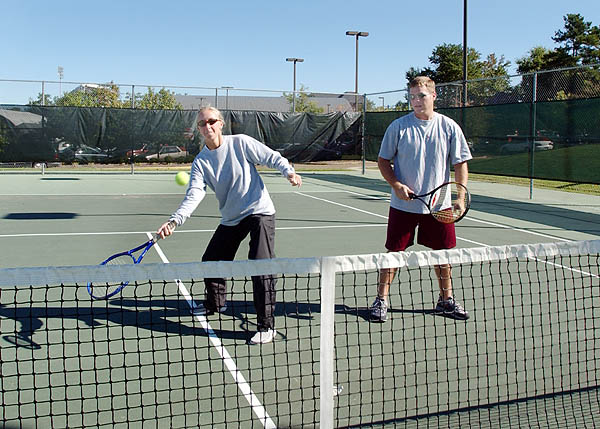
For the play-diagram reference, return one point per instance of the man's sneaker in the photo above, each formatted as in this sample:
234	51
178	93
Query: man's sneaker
379	310
450	308
202	310
263	337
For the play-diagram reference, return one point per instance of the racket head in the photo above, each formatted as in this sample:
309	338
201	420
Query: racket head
109	289
450	202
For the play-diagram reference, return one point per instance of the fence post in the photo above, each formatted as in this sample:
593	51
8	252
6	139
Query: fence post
132	161
533	131
362	133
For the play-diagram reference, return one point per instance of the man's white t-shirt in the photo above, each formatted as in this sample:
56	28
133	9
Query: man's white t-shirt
422	153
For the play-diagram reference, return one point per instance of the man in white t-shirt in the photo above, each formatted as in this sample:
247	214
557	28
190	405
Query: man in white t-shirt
417	152
227	165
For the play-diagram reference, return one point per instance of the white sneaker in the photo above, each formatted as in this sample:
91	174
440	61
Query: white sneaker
263	337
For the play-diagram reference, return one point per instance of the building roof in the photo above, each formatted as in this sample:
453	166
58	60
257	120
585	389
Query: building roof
25	119
261	104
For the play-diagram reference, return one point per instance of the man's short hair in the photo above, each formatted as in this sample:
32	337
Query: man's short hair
423	81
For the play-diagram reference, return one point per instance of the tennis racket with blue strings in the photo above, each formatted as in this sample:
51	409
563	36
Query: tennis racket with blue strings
133	256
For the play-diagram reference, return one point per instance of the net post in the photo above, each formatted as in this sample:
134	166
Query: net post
326	342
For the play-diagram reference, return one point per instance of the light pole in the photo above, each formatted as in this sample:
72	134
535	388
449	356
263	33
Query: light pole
356	34
294	60
60	76
465	53
382	103
227	88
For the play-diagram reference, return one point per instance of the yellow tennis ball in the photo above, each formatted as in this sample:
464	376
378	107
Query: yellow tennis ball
182	178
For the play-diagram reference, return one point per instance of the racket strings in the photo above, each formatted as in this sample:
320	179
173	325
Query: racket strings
450	203
108	289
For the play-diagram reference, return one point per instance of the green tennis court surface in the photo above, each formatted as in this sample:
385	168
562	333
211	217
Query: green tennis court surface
527	357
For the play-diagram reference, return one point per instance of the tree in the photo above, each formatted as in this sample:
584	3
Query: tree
579	43
447	62
494	66
371	107
161	100
402	105
38	101
414	72
303	102
535	61
106	95
580	40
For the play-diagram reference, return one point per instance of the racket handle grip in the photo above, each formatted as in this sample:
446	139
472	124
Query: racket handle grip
172	224
412	196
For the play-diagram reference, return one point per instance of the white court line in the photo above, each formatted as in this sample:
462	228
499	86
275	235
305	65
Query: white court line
460	238
238	377
368	212
132	194
340	204
187	231
518	229
463	239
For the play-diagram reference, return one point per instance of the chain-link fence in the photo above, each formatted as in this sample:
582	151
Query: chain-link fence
543	125
117	95
537	125
554	85
56	134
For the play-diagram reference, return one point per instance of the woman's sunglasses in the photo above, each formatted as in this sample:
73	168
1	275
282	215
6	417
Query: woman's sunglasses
211	121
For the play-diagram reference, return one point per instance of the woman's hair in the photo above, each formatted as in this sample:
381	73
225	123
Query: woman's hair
212	109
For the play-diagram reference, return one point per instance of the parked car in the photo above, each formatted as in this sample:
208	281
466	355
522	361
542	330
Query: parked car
86	153
524	146
68	152
138	152
173	152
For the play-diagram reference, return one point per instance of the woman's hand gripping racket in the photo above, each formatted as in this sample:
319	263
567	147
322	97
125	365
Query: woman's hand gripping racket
106	290
448	203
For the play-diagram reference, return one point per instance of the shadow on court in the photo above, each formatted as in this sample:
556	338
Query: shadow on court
40	216
556	216
351	180
169	316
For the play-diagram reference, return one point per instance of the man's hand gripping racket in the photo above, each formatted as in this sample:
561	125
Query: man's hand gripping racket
107	290
448	203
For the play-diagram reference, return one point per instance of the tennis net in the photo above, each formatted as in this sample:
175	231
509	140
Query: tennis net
528	356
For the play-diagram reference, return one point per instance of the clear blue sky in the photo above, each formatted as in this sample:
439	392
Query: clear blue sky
244	43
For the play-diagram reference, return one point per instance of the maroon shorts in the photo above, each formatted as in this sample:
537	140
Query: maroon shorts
433	234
